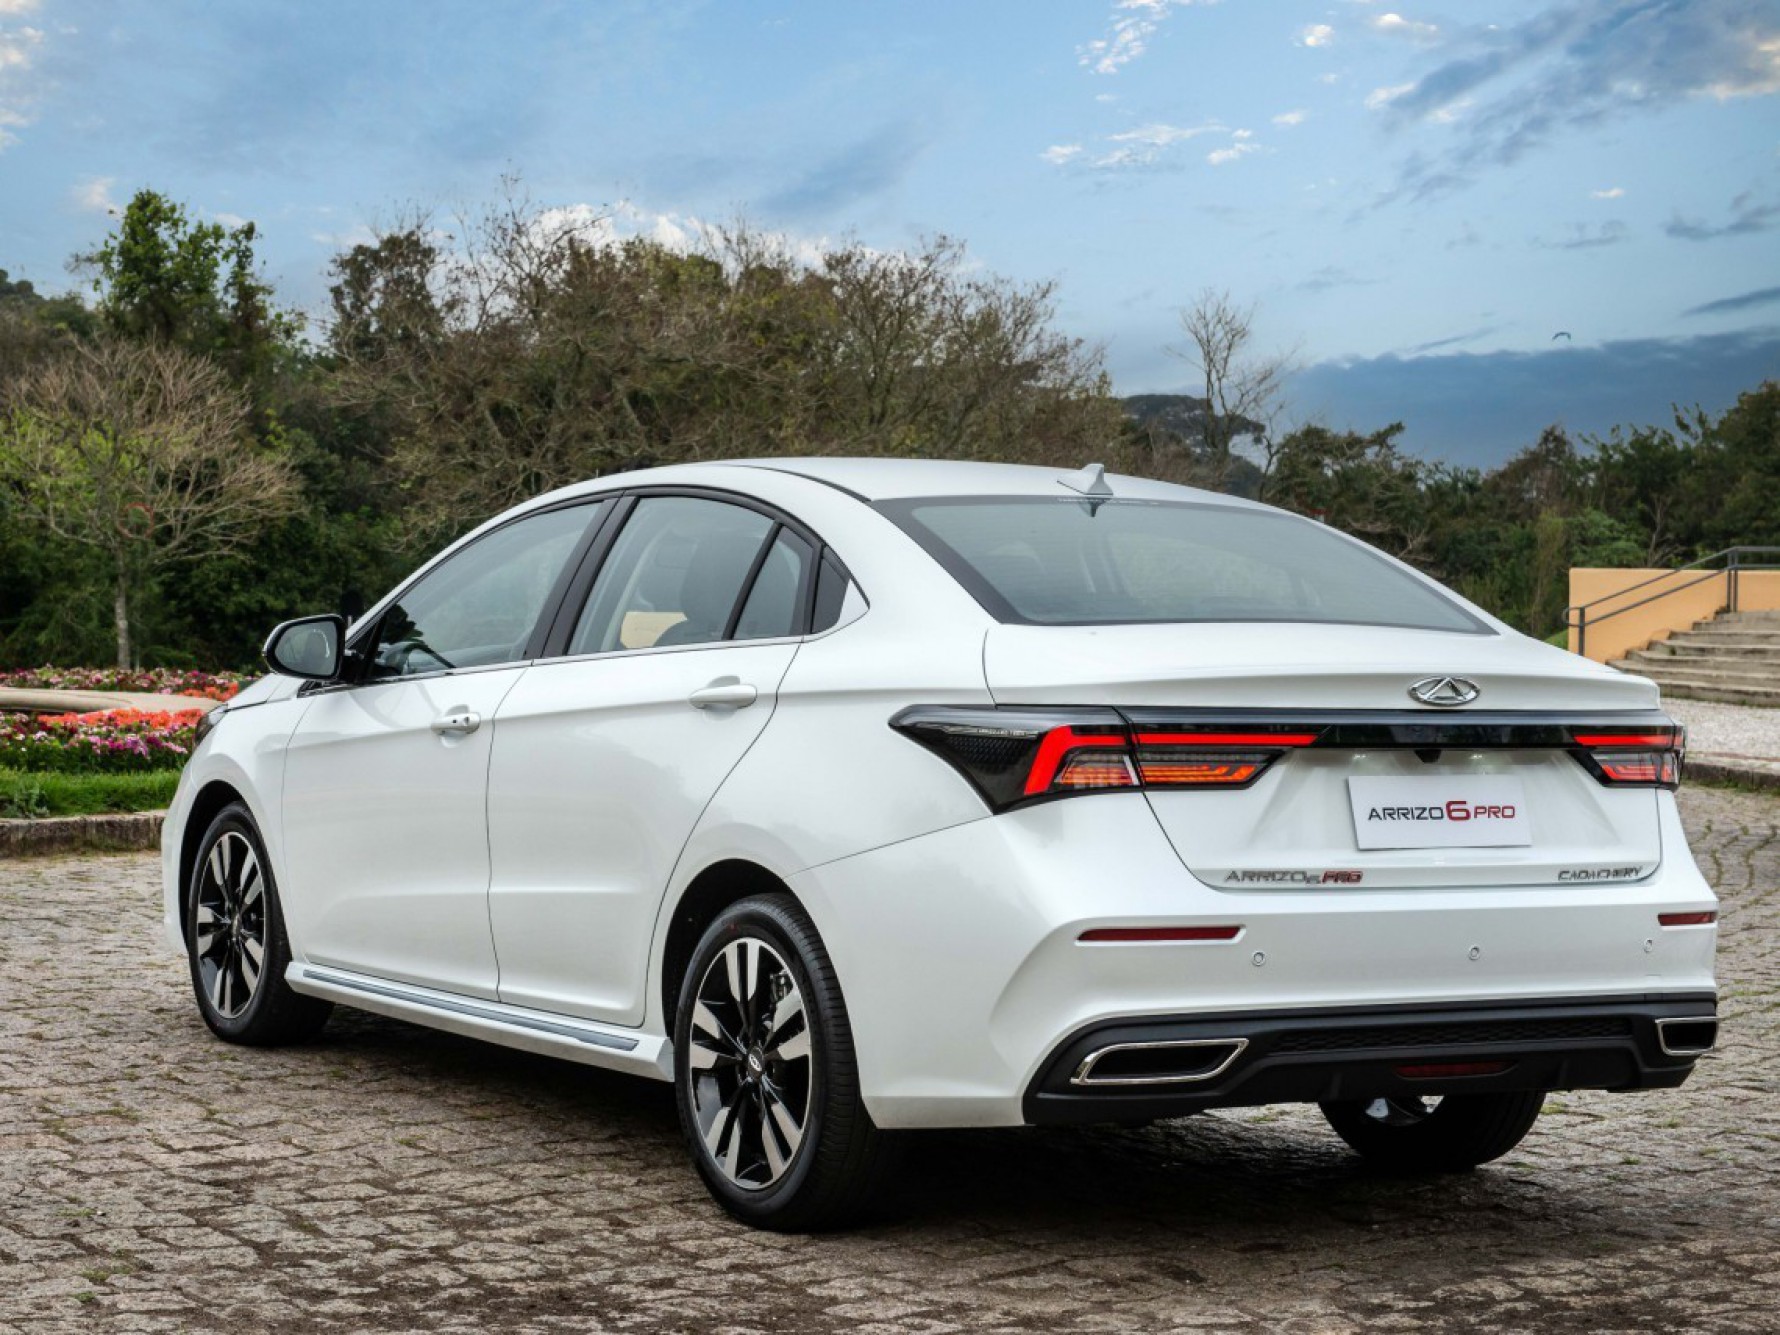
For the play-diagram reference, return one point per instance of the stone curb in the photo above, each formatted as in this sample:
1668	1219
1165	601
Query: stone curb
111	833
1744	771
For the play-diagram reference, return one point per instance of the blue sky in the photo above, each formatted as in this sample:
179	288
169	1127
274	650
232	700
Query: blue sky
1417	197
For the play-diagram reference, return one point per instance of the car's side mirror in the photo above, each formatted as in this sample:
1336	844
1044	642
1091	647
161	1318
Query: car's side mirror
309	647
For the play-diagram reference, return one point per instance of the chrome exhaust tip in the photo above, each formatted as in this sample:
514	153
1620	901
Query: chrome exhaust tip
1687	1036
1164	1062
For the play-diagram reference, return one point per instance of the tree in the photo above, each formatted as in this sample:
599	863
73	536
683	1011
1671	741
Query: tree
544	349
165	278
1244	390
138	451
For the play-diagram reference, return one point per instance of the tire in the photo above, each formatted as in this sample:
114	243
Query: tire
1453	1135
770	1107
232	914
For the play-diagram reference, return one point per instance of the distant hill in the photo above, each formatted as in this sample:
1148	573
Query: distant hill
1178	419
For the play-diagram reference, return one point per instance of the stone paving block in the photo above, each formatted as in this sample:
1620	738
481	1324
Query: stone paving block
386	1178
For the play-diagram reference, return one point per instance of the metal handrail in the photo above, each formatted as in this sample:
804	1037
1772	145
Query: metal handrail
1736	559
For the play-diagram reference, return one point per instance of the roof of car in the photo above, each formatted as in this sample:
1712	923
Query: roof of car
892	479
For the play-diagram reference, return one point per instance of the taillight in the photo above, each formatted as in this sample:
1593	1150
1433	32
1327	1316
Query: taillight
1642	757
1015	756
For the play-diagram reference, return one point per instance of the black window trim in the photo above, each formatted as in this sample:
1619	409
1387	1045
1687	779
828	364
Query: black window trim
899	511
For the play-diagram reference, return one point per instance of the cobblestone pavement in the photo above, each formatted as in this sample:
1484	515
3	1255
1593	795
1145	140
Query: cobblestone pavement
391	1178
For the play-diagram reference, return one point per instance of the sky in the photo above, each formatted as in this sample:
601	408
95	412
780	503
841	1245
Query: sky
1476	217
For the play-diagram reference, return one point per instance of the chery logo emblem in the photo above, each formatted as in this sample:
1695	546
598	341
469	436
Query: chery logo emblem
1444	692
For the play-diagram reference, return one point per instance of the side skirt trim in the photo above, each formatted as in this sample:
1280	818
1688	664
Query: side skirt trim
511	1026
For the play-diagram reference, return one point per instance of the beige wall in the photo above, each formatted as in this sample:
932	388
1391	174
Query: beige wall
1757	590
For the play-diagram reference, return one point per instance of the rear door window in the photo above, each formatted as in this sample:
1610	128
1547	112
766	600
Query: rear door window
673	577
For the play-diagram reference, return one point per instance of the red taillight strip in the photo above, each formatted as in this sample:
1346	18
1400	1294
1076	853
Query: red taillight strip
1687	919
1226	738
1055	749
1598	740
1161	934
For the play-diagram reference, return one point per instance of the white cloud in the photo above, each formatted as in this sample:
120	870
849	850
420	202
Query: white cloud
1242	143
1058	154
94	195
11	7
1574	65
1317	34
1291	118
1133	23
1397	26
18	51
230	219
17	45
1760	75
1612	192
1383	97
1160	136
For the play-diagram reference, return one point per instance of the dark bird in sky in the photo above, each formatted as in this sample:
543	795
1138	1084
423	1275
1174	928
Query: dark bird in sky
1562	333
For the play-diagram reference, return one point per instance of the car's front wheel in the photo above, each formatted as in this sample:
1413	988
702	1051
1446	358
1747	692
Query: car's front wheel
235	940
767	1082
1408	1134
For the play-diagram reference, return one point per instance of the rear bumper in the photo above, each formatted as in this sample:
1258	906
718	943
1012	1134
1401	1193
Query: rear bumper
965	970
1140	1069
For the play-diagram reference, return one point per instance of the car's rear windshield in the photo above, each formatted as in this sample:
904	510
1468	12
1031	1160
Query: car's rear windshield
1069	562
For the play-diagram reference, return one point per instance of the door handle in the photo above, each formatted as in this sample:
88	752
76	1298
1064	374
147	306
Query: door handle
460	722
726	691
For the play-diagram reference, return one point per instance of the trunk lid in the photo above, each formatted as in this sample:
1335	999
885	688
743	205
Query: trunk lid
1525	815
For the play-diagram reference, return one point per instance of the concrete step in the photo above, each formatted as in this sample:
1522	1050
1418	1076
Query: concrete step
1753	674
1681	647
1770	617
1726	636
1696	687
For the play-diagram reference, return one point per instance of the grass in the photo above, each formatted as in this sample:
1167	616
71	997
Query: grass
33	795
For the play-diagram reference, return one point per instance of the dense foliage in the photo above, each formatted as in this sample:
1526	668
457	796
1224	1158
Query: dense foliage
181	466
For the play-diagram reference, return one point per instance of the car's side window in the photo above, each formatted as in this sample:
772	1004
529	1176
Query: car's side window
479	607
776	598
673	576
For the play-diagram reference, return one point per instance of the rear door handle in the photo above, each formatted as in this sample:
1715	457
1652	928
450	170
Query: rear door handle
460	722
724	691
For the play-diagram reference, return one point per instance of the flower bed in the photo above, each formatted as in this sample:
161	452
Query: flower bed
117	741
148	681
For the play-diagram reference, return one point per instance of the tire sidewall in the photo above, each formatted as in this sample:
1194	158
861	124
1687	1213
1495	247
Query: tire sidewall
235	819
754	918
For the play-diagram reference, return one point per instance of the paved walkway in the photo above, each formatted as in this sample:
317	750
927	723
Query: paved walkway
1739	742
389	1178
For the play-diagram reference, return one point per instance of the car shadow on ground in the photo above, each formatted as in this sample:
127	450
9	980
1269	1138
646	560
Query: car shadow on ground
1273	1186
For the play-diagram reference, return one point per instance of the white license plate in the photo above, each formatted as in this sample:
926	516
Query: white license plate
1488	811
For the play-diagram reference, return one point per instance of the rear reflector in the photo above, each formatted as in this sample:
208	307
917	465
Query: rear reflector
1687	919
1161	934
1446	1070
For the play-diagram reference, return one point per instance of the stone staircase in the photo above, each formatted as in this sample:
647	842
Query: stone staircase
1734	658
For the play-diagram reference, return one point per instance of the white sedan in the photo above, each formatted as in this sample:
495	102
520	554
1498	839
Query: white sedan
855	796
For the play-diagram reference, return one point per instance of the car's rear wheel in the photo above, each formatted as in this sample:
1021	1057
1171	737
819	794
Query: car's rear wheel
767	1082
1409	1134
235	940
